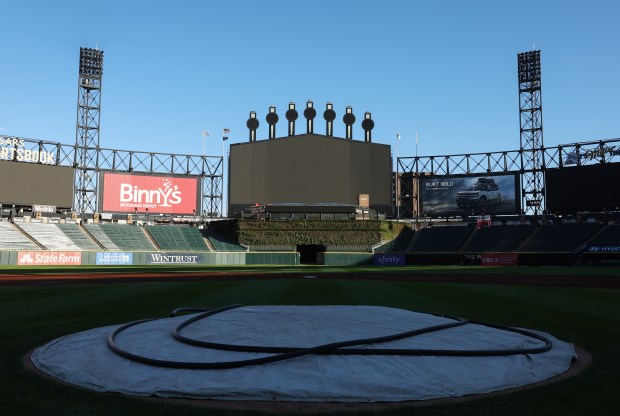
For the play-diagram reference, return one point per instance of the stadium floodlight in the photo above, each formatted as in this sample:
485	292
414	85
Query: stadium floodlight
91	62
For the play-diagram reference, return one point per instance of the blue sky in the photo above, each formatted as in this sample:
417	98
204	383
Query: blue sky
446	69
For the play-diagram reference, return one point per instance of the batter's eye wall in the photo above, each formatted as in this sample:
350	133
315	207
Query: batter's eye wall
31	183
309	169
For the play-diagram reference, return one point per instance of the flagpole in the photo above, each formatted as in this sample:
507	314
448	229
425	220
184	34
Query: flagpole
205	133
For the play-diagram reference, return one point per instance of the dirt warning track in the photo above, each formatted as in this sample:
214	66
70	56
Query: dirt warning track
89	277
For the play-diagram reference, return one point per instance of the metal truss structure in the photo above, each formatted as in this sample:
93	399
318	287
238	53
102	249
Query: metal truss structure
87	131
531	129
506	162
208	168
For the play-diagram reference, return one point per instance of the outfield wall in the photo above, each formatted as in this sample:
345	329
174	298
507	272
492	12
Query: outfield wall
108	258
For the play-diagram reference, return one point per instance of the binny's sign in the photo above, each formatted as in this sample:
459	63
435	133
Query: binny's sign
149	193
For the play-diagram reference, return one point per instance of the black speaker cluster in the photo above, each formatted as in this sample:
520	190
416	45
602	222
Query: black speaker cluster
310	114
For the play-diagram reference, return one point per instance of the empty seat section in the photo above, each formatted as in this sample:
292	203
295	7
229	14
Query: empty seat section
610	235
223	243
14	239
440	239
503	238
50	236
397	245
117	237
560	237
178	238
78	236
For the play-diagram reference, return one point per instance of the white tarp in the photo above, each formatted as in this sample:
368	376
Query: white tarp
85	359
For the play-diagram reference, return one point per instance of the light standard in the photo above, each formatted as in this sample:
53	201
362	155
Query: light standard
225	133
397	185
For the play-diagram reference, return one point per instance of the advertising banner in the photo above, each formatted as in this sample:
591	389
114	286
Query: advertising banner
44	208
603	248
49	258
14	148
108	258
155	194
470	195
173	258
499	259
383	259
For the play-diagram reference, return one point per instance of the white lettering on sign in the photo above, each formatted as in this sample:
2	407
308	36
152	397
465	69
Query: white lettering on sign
133	195
12	148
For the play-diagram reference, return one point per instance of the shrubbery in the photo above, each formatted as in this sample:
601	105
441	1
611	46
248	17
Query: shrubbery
317	232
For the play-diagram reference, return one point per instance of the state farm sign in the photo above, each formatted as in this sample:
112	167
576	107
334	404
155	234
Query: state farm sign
49	258
157	194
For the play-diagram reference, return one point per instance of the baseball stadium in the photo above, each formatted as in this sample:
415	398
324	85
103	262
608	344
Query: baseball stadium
336	278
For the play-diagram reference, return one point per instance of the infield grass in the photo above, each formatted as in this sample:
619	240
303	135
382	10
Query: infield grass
34	315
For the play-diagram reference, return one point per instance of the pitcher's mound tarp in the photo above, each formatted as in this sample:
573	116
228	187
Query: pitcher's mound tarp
480	358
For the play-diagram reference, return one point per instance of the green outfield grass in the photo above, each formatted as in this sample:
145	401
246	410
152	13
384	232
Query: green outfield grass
590	318
275	269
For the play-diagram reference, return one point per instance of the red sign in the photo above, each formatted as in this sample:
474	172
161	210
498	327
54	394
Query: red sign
49	258
158	194
499	259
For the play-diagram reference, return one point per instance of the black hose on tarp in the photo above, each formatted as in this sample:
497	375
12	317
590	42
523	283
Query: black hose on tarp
336	348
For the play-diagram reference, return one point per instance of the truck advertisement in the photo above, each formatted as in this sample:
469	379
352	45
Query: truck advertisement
469	195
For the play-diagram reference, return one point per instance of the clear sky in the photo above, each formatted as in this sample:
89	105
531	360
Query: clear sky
447	69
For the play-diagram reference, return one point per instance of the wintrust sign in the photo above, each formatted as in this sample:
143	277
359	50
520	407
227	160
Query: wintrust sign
157	194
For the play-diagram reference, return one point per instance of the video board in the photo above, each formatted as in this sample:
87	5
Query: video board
121	192
26	183
309	169
469	195
583	188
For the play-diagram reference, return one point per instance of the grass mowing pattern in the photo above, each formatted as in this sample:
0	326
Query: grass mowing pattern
32	316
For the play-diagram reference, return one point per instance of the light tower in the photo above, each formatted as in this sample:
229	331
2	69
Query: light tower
530	122
87	131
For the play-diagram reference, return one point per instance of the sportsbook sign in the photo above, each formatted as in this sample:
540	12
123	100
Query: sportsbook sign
49	258
13	148
158	194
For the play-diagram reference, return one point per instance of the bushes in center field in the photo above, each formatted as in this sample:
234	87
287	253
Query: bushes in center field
320	237
318	232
